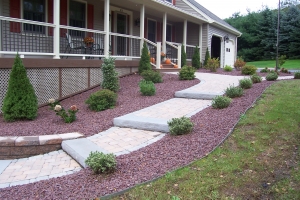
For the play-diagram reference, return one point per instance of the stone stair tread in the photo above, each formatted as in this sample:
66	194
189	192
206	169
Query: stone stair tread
79	149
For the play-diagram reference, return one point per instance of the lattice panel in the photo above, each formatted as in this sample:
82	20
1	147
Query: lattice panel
45	82
135	69
96	76
74	80
4	77
123	71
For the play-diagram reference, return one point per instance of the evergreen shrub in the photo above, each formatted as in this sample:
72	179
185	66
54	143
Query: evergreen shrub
150	75
256	78
144	63
110	76
233	92
180	126
297	75
249	70
227	68
187	73
220	102
101	163
183	56
245	83
207	56
196	59
147	88
20	101
102	100
272	76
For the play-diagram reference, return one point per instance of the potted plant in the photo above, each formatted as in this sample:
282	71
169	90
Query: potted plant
162	56
88	41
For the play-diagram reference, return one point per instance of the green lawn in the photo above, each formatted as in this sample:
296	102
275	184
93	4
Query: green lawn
289	64
260	160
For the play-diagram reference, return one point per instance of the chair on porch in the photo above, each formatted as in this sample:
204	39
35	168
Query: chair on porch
74	45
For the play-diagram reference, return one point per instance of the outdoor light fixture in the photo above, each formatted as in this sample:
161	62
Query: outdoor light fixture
226	38
137	22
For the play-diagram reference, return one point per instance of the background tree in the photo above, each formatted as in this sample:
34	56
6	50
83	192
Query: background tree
196	58
20	101
145	59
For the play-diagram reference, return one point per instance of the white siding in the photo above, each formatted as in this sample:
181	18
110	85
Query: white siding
186	7
204	39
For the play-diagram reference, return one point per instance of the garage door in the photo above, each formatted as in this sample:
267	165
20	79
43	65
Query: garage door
229	53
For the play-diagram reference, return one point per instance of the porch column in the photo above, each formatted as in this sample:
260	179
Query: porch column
164	34
56	33
106	28
179	56
1	14
184	34
158	48
200	41
222	59
142	26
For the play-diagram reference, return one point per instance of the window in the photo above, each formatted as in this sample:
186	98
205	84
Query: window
77	17
170	1
169	33
34	10
151	30
227	49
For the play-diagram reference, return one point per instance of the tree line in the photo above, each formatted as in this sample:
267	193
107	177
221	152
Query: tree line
259	38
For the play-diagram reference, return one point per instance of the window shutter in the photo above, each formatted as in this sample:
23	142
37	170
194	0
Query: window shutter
90	18
145	28
174	2
15	10
63	16
173	34
50	16
158	32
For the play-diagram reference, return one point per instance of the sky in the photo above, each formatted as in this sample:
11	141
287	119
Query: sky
225	9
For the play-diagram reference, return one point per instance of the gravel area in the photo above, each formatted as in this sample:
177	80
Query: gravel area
237	73
171	152
89	122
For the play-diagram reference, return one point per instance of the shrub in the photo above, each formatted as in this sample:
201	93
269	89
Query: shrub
265	70
221	102
245	83
180	126
183	56
102	100
187	73
281	60
249	70
68	116
297	75
213	64
110	76
150	75
20	101
227	68
283	70
239	63
196	59
207	56
272	76
147	88
233	92
256	78
101	163
144	63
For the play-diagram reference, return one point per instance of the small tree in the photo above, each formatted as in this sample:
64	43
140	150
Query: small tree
20	101
196	58
145	59
282	60
207	56
110	76
183	56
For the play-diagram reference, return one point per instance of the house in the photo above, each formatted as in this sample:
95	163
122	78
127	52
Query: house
49	34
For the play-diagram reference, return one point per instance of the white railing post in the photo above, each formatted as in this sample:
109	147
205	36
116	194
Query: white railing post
56	32
1	7
184	34
142	25
158	61
106	28
164	38
179	56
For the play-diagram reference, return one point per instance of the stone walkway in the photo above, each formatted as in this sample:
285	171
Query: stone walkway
141	129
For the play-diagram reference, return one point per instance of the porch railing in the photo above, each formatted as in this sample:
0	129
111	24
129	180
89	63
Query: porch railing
190	49
152	48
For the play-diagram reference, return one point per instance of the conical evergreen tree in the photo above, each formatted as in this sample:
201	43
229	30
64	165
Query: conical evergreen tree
207	56
183	56
20	101
196	58
110	76
145	59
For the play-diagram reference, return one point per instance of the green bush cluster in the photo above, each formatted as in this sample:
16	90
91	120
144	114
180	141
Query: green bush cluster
297	75
221	102
196	59
272	76
144	63
227	68
180	126
150	75
147	88
256	78
213	64
20	101
265	70
102	100
187	73
110	76
249	70
233	92
245	83
101	163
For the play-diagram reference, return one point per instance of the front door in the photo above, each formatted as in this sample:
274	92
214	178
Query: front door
121	27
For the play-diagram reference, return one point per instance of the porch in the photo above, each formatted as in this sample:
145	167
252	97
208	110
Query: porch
116	28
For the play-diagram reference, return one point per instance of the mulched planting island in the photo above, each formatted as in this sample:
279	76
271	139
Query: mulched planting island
89	122
171	152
